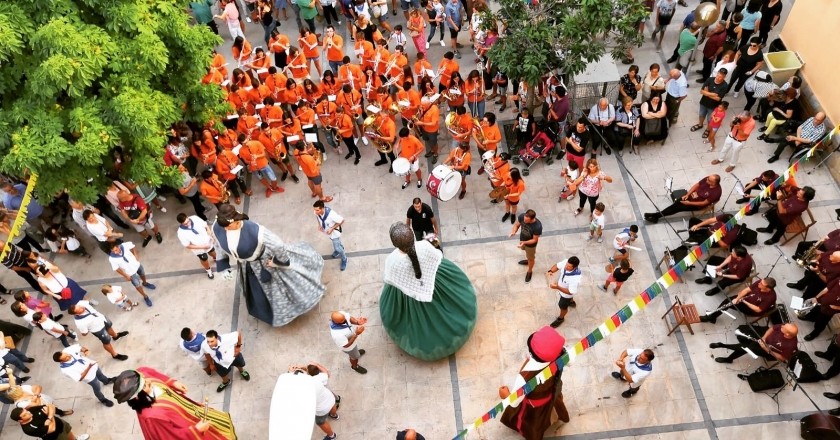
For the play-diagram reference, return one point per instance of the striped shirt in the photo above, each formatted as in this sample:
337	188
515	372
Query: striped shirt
15	257
812	132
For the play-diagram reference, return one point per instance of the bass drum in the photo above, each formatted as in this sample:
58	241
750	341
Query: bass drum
291	419
444	183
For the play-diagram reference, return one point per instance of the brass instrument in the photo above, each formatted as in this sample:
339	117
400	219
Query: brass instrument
454	129
809	255
394	108
478	132
372	133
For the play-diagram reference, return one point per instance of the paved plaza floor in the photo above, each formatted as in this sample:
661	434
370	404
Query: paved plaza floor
688	395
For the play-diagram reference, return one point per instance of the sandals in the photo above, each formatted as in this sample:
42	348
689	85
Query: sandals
578	211
696	127
706	134
327	199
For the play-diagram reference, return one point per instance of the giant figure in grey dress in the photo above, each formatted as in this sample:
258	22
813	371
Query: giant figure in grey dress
279	281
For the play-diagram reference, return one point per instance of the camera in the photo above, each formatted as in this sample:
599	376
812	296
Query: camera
736	120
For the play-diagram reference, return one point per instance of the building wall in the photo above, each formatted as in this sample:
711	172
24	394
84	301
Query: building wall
810	30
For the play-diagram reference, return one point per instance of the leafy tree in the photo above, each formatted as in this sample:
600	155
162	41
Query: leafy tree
80	77
565	35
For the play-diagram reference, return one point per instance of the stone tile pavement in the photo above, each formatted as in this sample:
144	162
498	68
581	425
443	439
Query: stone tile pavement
688	396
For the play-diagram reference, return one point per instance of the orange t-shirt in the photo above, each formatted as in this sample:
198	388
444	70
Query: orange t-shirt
446	69
299	67
313	95
225	162
432	116
420	68
244	54
352	102
307	164
253	153
516	189
384	57
246	124
399	61
293	129
474	91
212	190
290	96
459	160
326	112
492	135
272	115
502	168
335	53
306	116
457	95
410	147
309	46
388	129
213	77
365	52
345	125
259	64
279	43
218	64
330	88
413	98
227	139
276	83
272	140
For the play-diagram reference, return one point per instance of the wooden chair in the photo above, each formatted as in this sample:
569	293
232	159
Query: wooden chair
799	227
709	209
684	314
779	309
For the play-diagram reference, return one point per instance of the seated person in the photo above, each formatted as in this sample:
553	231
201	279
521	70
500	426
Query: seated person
829	243
540	143
818	273
764	180
789	208
734	269
699	231
810	132
754	300
828	305
702	194
778	343
831	354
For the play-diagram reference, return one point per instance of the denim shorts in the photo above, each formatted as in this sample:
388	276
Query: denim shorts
267	173
135	279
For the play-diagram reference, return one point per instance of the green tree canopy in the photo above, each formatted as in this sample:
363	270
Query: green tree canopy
80	77
562	34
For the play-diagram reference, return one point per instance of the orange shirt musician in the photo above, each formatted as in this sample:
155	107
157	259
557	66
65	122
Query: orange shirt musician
382	57
348	132
459	159
278	45
422	67
212	189
276	82
351	100
325	115
272	139
255	157
386	134
304	157
333	46
204	148
271	113
260	64
515	185
306	117
308	42
410	96
226	167
446	68
298	64
487	135
474	91
364	50
349	73
411	148
429	124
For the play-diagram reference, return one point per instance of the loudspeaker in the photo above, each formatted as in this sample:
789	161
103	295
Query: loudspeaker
819	426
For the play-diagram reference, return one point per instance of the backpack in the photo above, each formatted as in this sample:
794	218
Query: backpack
809	372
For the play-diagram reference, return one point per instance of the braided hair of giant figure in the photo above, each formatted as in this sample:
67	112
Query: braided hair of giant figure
402	237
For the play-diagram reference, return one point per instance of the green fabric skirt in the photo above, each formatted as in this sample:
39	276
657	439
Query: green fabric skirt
431	330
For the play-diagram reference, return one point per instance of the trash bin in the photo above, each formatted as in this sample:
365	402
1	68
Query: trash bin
782	65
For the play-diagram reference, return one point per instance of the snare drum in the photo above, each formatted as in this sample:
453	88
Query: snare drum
444	183
402	167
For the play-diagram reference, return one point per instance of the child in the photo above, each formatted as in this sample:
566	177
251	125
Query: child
715	121
62	240
620	242
618	276
597	222
570	173
117	297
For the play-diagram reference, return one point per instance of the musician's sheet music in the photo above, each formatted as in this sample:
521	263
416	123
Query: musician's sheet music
711	271
797	303
311	137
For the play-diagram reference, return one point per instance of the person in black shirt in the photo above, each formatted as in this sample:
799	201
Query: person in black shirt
15	260
577	139
421	219
41	421
529	229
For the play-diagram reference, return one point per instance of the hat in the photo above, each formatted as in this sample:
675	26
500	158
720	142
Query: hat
546	344
127	385
488	155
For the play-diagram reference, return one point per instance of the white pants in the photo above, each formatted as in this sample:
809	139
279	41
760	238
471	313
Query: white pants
731	144
235	30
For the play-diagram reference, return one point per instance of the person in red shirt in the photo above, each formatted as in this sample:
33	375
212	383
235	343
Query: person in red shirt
753	300
828	305
411	148
786	211
459	159
253	154
734	269
138	213
705	228
702	194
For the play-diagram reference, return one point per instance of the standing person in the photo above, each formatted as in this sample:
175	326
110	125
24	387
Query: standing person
116	296
664	12
771	12
193	233
715	37
410	148
329	222
333	44
15	260
748	61
165	412
436	13
454	21
589	184
715	121
230	15
618	276
751	16
601	116
345	336
125	261
311	169
567	285
409	434
138	213
75	364
203	15
42	421
577	139
634	366
652	83
712	93
223	352
515	185
421	219
789	208
742	126
40	320
326	402
190	343
597	223
529	229
676	89
55	283
89	320
429	124
36	304
189	189
417	30
308	12
621	241
253	153
459	159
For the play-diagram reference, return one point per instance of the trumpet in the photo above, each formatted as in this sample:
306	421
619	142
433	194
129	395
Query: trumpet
810	255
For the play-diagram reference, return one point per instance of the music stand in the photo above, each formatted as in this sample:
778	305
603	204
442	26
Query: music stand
739	186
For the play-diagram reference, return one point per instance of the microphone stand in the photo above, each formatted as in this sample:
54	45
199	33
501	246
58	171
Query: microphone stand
781	255
737	182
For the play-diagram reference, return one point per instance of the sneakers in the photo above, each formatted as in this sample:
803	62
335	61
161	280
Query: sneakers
600	239
245	375
359	369
612	260
295	179
523	262
149	286
331	437
148	301
505	217
602	288
83	437
335	254
147	240
210	274
735	95
120	357
405	185
107	403
334	417
528	277
343	265
588	238
556	323
120	335
442	44
159	238
419	185
427	45
222	386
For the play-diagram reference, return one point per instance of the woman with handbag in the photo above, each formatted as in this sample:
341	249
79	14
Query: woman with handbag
379	11
279	281
54	283
417	30
626	125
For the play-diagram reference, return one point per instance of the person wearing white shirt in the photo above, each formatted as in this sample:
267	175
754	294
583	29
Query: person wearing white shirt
101	230
89	320
117	297
329	222
326	402
191	343
193	235
602	117
345	336
75	364
124	260
634	367
223	353
567	284
52	328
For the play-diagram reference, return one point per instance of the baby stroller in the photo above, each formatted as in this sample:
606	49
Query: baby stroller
539	147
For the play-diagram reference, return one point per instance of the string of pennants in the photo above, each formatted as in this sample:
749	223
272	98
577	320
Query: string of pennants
641	300
20	219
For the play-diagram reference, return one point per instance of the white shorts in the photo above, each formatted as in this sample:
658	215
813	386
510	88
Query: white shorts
147	226
415	166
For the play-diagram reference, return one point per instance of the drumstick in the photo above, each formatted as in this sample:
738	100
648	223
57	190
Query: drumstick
632	247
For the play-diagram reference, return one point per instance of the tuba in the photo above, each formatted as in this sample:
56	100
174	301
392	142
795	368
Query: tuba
477	131
372	133
450	124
